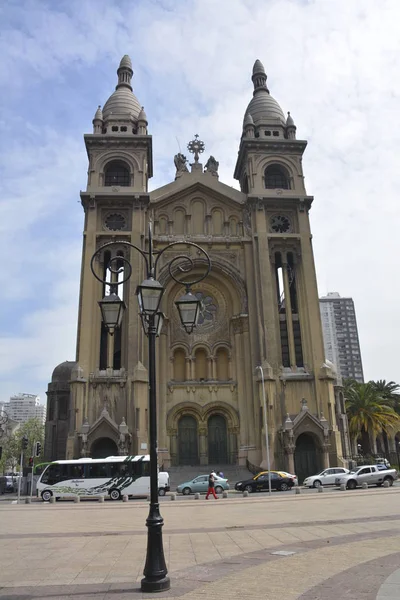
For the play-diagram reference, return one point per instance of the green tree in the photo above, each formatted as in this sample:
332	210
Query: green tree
368	413
34	430
12	445
11	453
389	392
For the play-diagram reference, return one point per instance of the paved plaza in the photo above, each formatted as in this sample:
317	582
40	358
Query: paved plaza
311	547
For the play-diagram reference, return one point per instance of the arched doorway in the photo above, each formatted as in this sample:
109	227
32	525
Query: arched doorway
103	447
306	457
217	440
188	448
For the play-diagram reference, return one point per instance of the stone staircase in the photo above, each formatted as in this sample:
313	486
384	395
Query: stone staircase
233	473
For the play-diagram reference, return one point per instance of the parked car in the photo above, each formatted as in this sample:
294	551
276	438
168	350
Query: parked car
326	477
260	483
163	483
370	474
285	474
200	484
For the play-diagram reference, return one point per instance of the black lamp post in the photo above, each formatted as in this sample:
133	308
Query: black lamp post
149	294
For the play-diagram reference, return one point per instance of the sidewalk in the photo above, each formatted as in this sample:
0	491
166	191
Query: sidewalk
331	544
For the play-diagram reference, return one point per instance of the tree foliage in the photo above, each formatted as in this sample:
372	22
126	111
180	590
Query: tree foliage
12	445
370	408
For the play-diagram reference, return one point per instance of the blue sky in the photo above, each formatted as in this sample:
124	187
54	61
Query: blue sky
333	64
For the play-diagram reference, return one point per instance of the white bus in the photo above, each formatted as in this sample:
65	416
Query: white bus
114	476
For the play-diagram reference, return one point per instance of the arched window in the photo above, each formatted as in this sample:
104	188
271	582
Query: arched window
222	364
276	176
117	173
179	221
233	226
162	225
201	364
217	222
179	365
198	217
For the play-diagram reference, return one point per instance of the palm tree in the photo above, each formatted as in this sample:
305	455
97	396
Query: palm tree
389	393
368	413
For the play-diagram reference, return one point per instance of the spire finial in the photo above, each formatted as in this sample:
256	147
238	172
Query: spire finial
259	77
125	73
196	147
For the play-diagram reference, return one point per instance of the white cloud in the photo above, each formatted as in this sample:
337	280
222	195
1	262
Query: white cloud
332	64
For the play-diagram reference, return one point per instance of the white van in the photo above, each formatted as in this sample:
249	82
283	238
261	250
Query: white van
163	483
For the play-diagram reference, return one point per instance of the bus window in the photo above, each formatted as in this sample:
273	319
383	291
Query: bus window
120	469
76	471
52	475
98	471
145	469
40	468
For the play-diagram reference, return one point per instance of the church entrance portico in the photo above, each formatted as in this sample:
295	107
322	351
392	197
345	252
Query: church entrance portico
307	457
202	436
103	447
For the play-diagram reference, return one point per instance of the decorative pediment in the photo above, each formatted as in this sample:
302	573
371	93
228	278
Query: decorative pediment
104	422
305	416
192	183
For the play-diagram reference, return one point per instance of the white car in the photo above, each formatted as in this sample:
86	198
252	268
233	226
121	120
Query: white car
326	477
293	477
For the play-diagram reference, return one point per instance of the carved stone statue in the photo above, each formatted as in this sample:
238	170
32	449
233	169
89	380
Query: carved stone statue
180	164
247	221
212	166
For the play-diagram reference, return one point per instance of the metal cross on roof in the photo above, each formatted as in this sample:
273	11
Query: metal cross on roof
196	147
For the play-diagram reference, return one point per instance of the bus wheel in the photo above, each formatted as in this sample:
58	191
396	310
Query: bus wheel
46	495
115	494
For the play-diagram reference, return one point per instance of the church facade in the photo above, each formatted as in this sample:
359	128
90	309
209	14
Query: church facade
260	308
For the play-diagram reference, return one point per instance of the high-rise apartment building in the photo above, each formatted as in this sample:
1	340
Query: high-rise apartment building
23	407
339	325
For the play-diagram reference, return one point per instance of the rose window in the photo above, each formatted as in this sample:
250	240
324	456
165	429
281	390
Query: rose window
208	309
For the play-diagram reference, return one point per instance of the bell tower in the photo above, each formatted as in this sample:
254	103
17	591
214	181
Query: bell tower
110	372
298	381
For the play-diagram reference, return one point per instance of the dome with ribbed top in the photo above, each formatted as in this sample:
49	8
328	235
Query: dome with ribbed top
123	102
263	107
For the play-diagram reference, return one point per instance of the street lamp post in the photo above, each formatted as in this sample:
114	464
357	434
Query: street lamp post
149	294
266	428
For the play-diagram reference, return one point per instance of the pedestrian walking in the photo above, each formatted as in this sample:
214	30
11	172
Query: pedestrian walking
211	484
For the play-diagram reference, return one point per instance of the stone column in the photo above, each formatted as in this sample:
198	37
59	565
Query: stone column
232	445
192	369
210	374
325	456
203	450
188	363
173	443
290	458
214	367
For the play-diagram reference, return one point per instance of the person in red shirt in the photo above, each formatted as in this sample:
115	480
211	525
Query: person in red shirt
211	484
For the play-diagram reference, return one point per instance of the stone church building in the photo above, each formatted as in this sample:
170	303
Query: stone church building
259	304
